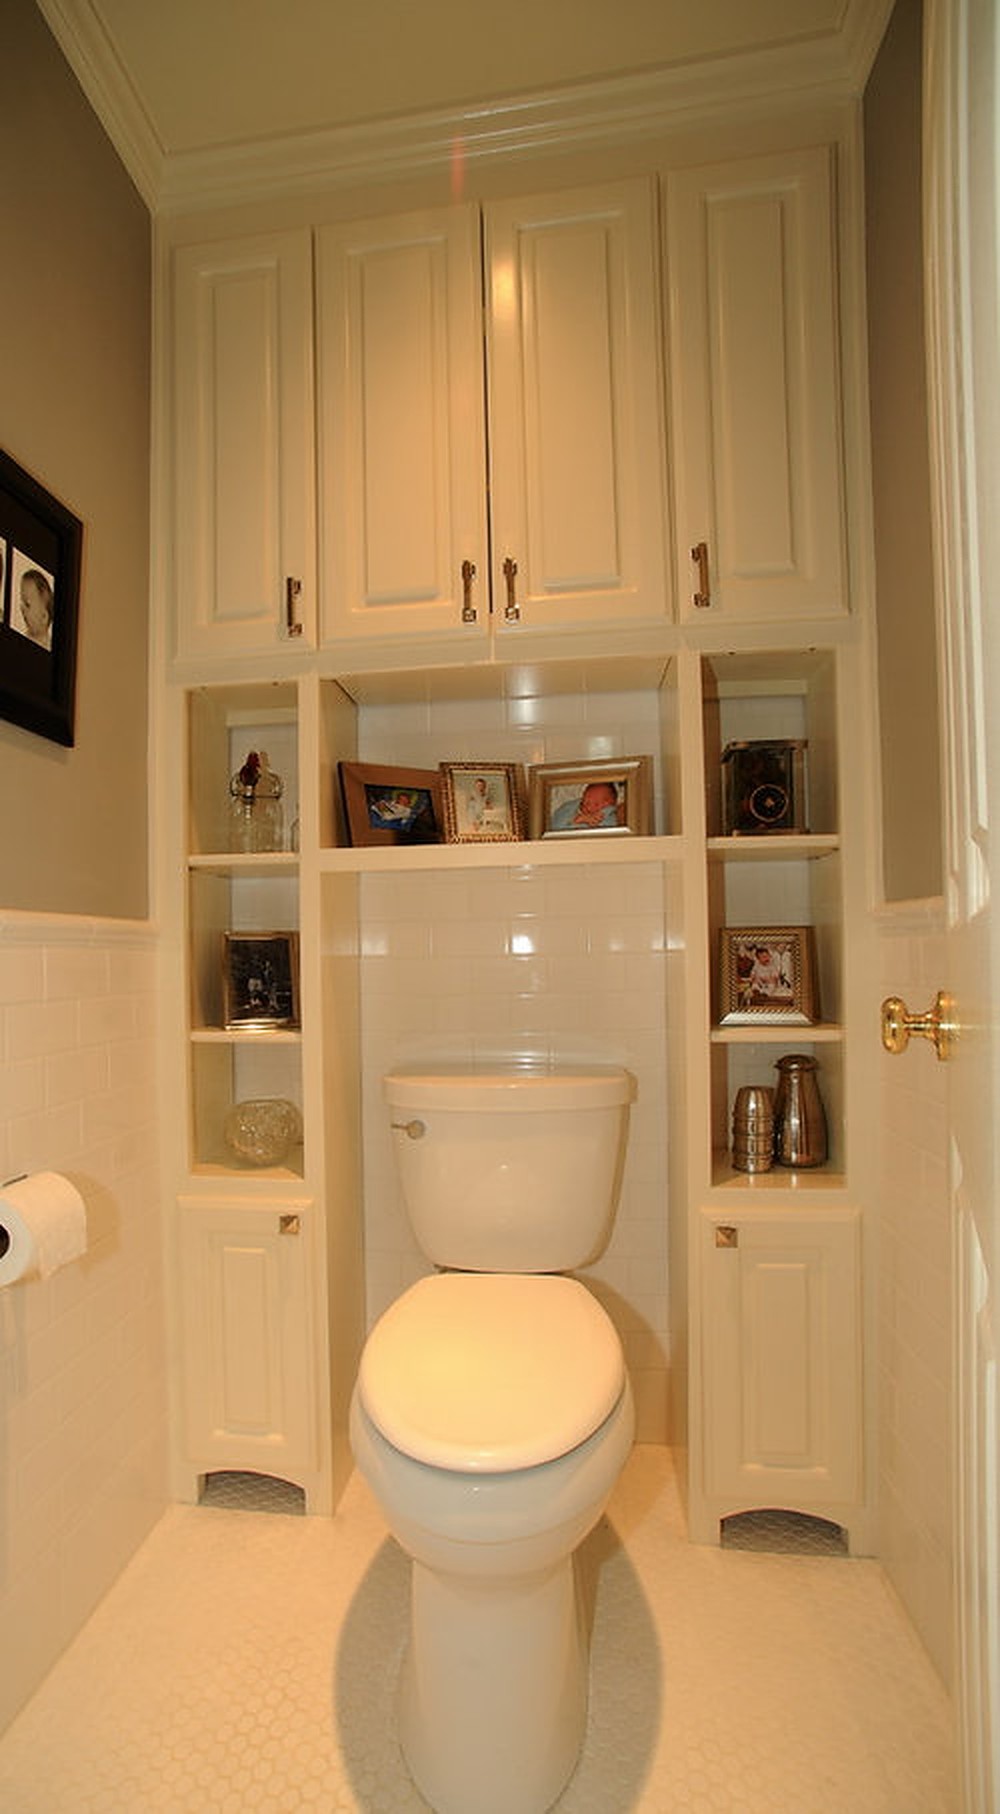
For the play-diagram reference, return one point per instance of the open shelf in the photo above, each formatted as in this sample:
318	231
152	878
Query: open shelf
759	1034
541	852
773	847
779	1181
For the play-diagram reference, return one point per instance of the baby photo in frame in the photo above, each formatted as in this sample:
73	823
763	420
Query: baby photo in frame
483	802
389	805
590	799
768	974
41	552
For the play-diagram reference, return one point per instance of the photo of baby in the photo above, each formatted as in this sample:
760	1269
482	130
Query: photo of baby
32	592
596	807
599	798
41	557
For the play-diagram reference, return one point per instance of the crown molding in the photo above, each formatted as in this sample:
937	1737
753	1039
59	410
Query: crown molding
575	118
105	82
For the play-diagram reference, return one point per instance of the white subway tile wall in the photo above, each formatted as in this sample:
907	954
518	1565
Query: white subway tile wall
914	1296
82	1371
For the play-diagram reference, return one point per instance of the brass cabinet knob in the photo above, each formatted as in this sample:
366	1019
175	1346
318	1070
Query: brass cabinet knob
937	1024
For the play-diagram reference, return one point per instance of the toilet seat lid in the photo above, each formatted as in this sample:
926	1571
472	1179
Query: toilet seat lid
489	1372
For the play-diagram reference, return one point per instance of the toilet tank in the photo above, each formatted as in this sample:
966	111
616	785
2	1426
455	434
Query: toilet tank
510	1170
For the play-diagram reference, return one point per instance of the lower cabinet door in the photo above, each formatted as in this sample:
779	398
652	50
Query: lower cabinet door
246	1350
781	1358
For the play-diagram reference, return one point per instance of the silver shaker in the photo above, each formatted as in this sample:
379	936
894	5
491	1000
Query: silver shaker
753	1128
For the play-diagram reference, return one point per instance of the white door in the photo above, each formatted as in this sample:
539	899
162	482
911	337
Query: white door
246	1335
244	480
402	435
781	1352
575	432
963	188
754	388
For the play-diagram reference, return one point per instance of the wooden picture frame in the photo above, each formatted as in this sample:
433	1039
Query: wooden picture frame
384	804
609	798
767	974
483	802
260	979
41	552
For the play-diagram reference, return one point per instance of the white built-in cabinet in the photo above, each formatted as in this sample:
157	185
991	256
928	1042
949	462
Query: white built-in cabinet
247	1349
513	401
489	411
243	528
756	411
562	522
780	1368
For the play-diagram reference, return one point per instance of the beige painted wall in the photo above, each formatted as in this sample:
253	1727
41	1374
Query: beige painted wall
907	657
74	410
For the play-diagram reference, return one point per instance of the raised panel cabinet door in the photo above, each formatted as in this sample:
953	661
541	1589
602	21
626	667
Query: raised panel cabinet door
403	544
577	491
246	1352
754	382
244	569
781	1359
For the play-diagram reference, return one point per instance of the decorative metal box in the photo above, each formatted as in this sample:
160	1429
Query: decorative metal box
764	787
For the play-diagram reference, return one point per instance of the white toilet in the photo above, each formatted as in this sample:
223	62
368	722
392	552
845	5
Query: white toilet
492	1417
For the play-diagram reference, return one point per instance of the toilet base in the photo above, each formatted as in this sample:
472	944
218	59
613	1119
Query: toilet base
493	1691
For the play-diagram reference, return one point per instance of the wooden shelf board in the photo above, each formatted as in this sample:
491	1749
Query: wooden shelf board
787	847
537	852
777	1034
243	1036
779	1181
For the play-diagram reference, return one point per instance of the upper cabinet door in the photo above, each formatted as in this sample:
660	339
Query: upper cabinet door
576	442
755	389
402	440
244	577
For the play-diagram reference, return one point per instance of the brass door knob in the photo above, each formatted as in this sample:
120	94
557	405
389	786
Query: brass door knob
899	1025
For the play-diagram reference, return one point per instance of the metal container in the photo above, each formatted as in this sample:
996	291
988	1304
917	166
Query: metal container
799	1121
753	1128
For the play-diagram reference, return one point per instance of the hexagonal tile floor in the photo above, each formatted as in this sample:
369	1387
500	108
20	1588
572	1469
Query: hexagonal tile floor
247	1660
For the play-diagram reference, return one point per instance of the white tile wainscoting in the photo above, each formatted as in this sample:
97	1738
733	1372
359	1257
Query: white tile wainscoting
82	1368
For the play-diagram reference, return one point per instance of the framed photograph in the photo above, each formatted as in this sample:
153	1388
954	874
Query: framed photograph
767	973
41	545
386	805
764	787
483	802
591	799
260	979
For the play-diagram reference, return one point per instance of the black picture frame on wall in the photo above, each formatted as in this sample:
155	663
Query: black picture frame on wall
41	549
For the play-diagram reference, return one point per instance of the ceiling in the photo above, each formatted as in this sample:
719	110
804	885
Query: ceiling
182	81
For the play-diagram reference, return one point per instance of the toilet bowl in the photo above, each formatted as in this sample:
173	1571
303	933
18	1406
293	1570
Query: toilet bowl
491	1417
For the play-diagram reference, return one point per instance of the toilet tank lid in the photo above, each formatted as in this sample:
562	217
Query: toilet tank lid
501	1087
489	1372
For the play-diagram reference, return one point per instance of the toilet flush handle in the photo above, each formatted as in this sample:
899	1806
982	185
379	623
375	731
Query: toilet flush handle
414	1130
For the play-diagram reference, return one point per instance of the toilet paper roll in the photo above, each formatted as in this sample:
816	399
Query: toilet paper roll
43	1224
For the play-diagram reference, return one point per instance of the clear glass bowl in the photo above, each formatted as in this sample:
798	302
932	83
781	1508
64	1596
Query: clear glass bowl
261	1131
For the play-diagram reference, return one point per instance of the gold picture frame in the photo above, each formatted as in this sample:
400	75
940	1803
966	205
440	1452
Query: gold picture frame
767	974
483	802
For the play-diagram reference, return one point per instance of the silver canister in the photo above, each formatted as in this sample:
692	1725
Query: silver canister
799	1121
753	1128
